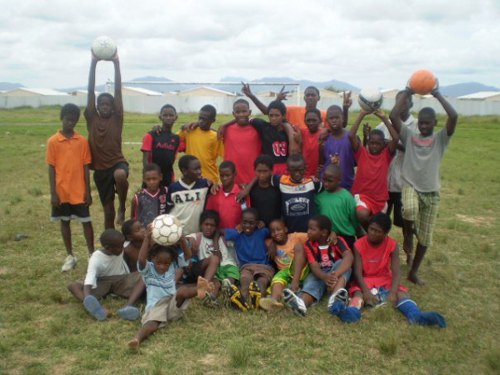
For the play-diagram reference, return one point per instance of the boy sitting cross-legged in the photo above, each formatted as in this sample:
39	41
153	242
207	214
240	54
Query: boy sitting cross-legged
287	252
330	266
252	256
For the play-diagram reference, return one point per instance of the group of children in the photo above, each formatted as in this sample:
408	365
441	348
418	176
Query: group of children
296	210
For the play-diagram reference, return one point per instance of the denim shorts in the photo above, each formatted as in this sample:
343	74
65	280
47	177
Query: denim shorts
317	287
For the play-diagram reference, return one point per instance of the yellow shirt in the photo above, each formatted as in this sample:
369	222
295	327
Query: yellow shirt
205	146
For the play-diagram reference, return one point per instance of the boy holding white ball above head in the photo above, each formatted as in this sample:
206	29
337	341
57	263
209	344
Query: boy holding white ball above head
164	302
68	157
421	182
105	125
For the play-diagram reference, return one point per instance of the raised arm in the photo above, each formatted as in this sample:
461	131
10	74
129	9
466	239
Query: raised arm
393	143
451	122
118	85
395	115
249	94
355	142
91	86
145	247
294	138
346	104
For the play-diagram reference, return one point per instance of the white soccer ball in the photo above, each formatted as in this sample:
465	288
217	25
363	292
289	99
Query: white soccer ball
167	230
104	47
370	99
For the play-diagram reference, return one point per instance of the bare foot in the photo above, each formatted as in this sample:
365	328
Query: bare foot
415	279
202	287
120	216
133	344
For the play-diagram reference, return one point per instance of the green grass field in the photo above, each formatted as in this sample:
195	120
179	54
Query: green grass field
44	330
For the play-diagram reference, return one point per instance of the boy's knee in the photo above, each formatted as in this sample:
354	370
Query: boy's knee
120	175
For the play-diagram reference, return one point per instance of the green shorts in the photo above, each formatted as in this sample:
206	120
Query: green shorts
227	271
285	276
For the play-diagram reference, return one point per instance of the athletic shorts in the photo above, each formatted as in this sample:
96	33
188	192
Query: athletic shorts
227	271
363	202
105	181
422	209
68	212
164	311
316	287
285	276
257	271
121	285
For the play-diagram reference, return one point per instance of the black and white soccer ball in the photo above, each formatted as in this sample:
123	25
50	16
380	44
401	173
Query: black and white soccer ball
167	230
370	99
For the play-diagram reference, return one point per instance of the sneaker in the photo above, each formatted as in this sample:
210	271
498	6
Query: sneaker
94	308
270	304
69	263
255	295
236	300
340	295
211	301
129	313
295	303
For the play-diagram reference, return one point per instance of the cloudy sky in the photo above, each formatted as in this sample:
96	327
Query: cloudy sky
363	42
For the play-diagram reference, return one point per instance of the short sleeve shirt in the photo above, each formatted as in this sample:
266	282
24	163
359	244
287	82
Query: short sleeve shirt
158	286
250	249
274	141
102	264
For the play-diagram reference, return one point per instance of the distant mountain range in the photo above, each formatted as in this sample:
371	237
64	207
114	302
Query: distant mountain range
451	90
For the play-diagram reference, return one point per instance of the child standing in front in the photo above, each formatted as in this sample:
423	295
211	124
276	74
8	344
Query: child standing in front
421	181
68	157
202	142
105	127
152	200
377	275
164	302
160	146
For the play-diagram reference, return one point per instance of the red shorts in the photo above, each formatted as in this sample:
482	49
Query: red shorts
363	202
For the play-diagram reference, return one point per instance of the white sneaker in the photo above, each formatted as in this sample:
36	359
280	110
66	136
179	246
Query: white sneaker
341	295
69	263
294	302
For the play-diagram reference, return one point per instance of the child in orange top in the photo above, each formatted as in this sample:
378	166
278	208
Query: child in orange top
68	157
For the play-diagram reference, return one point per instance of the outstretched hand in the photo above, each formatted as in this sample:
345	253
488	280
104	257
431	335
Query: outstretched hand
282	94
246	89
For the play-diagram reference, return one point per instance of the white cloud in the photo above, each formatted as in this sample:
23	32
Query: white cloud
46	44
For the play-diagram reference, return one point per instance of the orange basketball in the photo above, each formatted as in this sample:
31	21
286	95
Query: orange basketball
422	81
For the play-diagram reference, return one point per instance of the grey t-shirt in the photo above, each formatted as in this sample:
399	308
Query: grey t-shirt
423	159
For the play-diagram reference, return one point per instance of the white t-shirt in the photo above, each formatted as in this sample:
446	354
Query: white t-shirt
395	182
206	249
101	264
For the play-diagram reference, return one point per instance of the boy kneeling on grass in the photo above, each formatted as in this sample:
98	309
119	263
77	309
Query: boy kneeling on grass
377	275
107	273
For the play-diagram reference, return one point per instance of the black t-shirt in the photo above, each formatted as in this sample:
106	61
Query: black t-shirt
164	150
274	141
267	201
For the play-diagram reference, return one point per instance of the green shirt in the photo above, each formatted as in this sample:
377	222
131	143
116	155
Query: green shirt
340	208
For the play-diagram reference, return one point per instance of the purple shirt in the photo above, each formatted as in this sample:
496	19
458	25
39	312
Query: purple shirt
343	148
